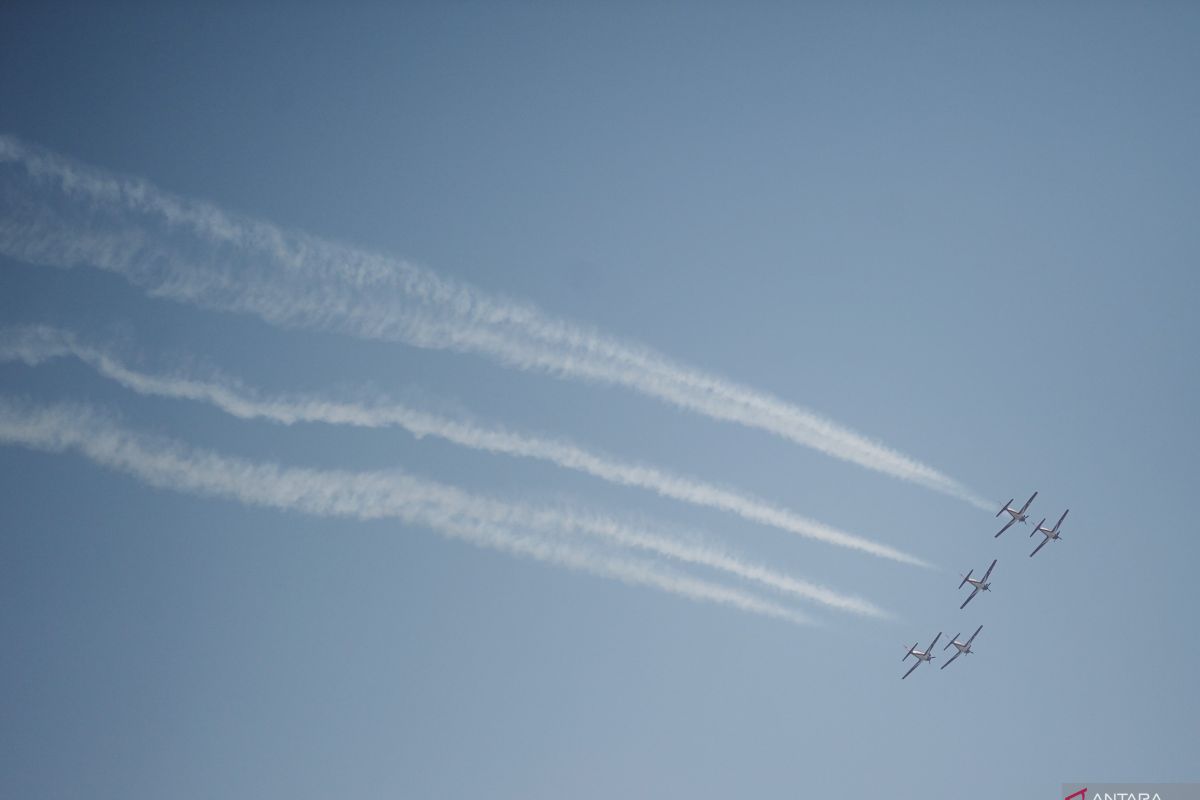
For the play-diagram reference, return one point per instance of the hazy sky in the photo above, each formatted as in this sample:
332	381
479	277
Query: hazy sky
655	236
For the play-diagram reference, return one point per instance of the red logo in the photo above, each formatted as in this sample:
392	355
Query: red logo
1081	794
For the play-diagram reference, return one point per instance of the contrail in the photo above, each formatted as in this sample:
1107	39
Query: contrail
60	213
395	494
39	343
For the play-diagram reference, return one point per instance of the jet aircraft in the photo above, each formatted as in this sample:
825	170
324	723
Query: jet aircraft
1017	516
980	584
927	655
1049	533
964	648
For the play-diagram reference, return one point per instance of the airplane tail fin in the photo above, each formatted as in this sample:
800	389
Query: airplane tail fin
964	580
952	639
1037	528
909	653
1003	507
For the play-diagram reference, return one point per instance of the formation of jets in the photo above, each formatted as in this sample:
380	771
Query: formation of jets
983	584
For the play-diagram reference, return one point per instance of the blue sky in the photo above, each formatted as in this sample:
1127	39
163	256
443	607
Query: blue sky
965	233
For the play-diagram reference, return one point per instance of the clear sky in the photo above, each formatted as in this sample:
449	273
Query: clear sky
966	233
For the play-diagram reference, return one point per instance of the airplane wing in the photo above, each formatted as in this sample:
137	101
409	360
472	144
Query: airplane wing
935	640
1006	527
1039	547
951	661
1004	507
989	572
973	635
910	669
1060	519
969	599
1027	502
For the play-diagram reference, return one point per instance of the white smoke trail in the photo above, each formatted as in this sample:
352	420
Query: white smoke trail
60	213
38	343
394	494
